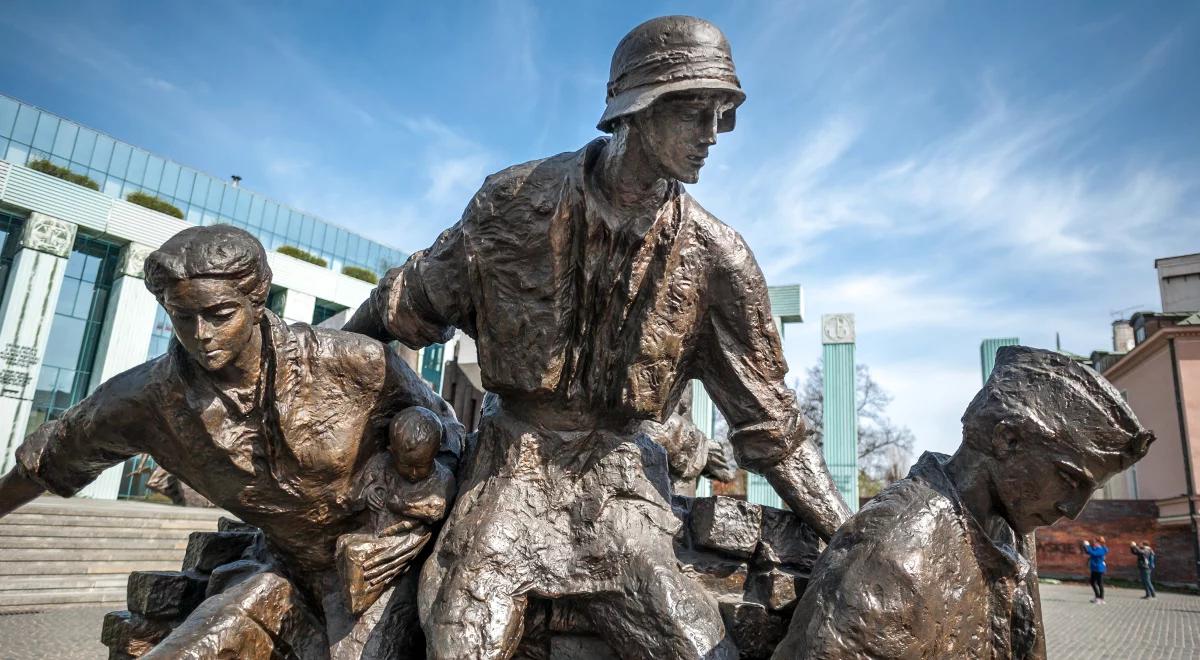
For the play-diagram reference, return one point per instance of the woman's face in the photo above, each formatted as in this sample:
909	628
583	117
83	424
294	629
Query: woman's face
213	319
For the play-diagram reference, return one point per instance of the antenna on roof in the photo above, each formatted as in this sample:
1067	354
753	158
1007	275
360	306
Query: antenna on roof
1120	313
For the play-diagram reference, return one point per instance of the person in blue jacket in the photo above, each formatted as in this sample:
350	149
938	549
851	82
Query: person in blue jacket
1096	552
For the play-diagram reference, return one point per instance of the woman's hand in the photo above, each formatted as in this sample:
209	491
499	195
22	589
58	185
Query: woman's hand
393	558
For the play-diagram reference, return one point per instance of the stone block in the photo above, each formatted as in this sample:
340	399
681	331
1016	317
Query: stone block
227	575
723	577
777	588
164	594
726	525
580	647
208	550
233	525
786	541
129	635
755	630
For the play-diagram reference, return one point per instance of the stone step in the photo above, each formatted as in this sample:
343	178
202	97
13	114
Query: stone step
51	505
57	520
94	532
120	543
97	555
36	600
52	582
84	567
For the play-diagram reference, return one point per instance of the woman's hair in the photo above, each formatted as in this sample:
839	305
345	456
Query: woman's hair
1052	400
214	251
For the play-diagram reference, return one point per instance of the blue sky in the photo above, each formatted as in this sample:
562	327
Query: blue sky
947	171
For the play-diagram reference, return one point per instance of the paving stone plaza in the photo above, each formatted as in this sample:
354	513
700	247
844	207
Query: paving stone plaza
1126	627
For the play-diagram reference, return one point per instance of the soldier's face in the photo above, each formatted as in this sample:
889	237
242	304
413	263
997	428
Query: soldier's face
213	320
678	129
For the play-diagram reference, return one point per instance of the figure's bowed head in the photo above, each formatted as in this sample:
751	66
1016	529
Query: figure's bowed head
1043	434
213	283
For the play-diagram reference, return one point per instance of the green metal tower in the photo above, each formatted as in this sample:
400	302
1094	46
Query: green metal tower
840	414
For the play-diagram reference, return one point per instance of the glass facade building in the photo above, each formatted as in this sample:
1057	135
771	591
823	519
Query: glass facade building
28	133
66	373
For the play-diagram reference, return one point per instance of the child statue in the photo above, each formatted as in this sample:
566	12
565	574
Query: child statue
405	491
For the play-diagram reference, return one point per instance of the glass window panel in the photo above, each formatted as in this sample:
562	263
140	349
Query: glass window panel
215	190
193	215
187	179
91	268
229	201
25	125
3	146
82	302
17	153
340	247
66	337
64	142
318	236
283	225
200	190
61	162
112	186
242	212
8	115
295	226
306	230
102	155
137	166
120	159
98	307
85	144
43	138
270	210
154	172
170	176
254	216
209	218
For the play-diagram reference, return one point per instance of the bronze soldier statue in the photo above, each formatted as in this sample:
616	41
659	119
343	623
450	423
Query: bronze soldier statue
273	423
941	564
595	287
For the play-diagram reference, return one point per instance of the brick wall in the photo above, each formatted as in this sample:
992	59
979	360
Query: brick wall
1060	550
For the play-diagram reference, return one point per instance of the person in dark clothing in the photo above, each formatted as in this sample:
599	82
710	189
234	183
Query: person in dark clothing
1145	559
1096	552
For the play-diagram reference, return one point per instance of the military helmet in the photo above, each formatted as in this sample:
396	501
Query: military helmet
670	54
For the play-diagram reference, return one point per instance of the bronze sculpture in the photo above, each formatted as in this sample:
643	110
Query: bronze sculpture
271	422
690	453
595	287
941	563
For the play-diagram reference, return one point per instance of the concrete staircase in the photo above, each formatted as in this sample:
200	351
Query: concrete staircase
57	552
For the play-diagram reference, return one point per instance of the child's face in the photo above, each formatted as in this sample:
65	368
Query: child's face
414	463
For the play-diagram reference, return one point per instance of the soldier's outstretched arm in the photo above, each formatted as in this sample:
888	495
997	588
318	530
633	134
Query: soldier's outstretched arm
743	369
803	481
423	301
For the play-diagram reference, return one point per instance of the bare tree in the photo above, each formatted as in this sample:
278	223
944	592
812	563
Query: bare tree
884	448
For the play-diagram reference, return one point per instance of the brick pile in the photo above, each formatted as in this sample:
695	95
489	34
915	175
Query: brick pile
754	560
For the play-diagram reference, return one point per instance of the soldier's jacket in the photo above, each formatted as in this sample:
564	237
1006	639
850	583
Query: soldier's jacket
284	461
587	318
913	575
